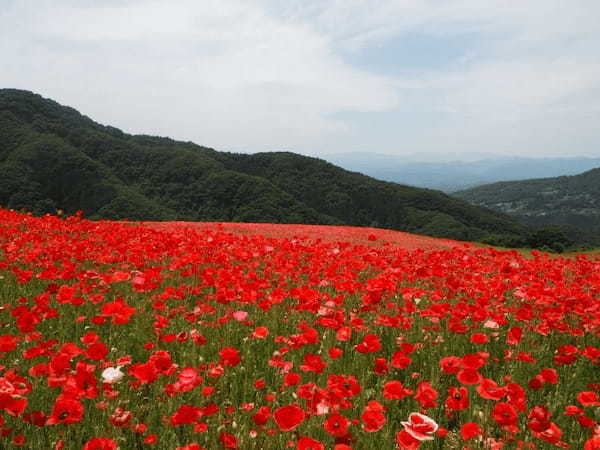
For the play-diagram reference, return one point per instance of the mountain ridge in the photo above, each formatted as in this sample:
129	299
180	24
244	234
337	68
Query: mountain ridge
53	157
566	200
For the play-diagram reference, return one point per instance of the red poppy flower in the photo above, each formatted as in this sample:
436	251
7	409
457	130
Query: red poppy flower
426	395
100	444
504	414
291	379
468	376
230	356
573	410
343	334
119	311
450	364
8	343
336	425
313	363
262	415
405	441
458	398
474	361
151	439
343	386
335	353
536	383
588	398
552	434
400	360
66	411
479	338
592	444
393	390
228	440
490	390
145	373
373	417
470	430
97	351
515	395
185	415
539	419
161	359
306	443
585	421
12	405
381	366
289	417
514	335
120	418
260	333
370	344
549	376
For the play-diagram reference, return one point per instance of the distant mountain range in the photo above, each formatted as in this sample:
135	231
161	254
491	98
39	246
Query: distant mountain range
567	200
451	176
52	157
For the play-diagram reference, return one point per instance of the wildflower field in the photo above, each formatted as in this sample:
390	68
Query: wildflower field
135	336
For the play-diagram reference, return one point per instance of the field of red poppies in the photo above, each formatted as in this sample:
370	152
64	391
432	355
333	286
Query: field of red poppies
135	336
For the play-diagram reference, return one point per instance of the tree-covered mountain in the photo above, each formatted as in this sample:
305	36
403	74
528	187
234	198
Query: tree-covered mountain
569	202
52	157
566	200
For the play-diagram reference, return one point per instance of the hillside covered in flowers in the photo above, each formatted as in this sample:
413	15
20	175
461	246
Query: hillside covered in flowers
207	336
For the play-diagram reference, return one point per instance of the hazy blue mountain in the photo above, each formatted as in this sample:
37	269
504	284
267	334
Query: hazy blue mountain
451	176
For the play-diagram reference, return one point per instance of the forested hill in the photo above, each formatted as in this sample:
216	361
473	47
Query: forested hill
52	157
568	200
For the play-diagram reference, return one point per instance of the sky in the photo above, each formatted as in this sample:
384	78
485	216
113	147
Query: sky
412	78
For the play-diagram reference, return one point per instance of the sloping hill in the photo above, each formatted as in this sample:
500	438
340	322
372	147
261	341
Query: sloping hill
568	200
52	157
357	199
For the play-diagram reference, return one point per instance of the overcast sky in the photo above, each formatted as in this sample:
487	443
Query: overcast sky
398	77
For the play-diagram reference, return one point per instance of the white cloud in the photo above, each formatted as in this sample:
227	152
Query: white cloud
266	74
223	73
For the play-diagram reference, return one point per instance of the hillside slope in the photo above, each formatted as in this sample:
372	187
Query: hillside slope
568	200
357	199
52	157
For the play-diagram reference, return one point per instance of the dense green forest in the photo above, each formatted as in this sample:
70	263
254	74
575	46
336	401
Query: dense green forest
52	157
568	203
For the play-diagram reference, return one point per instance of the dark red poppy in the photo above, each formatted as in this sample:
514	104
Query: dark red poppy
66	411
289	417
373	416
228	440
458	398
336	424
504	414
470	430
394	390
97	351
100	444
306	443
262	415
426	395
370	344
185	415
405	441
